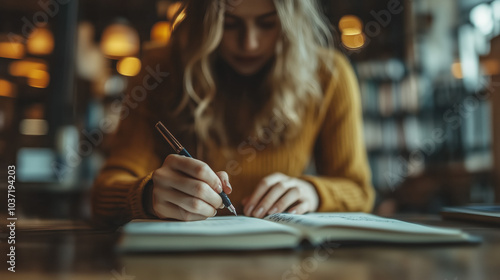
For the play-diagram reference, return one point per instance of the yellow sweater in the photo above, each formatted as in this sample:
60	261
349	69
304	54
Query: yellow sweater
333	139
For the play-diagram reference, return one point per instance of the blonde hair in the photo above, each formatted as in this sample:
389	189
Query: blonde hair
292	81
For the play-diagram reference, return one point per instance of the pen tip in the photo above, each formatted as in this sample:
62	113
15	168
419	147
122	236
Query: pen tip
232	209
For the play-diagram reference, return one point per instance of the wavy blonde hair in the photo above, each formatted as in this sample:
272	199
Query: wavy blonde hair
292	81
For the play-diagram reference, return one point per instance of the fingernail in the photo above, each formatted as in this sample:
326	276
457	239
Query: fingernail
272	211
219	188
229	185
221	206
250	209
293	212
259	211
214	213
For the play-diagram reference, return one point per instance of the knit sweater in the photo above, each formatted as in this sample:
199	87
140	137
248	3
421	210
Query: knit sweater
331	139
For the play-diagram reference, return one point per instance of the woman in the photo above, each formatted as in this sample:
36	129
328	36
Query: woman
253	91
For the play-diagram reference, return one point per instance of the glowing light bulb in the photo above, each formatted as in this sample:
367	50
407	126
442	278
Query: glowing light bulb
129	66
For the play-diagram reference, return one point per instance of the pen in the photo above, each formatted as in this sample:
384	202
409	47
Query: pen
179	149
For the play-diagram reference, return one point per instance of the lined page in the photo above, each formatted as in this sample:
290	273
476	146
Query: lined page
224	225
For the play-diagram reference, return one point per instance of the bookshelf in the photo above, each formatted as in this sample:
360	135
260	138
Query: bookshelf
42	77
428	136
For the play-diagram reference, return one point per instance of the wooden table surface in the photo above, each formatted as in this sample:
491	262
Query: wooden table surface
83	253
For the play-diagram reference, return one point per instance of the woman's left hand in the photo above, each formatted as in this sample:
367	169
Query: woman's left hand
277	192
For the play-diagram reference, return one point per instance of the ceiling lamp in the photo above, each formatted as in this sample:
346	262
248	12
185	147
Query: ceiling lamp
129	66
160	32
353	42
11	47
350	25
22	68
120	40
40	41
351	28
38	78
7	88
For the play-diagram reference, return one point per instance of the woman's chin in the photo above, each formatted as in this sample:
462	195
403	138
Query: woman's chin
246	69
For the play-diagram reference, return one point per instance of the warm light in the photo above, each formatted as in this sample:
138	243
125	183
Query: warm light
40	41
456	70
119	40
129	66
160	32
33	127
7	88
173	9
353	41
38	78
13	50
22	68
350	25
491	67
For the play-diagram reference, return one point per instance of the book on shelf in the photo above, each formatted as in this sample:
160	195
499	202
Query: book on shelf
279	231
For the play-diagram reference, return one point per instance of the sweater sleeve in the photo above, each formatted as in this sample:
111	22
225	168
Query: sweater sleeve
117	192
343	182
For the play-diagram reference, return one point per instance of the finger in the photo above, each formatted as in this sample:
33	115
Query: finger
226	186
300	208
271	197
190	203
196	169
168	210
190	186
261	189
289	198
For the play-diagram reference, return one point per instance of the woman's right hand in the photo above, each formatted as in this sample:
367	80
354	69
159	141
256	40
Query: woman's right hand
186	189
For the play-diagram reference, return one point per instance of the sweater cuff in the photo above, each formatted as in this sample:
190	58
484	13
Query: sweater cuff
326	201
137	207
341	195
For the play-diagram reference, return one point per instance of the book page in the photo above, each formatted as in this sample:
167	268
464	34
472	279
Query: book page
354	220
225	225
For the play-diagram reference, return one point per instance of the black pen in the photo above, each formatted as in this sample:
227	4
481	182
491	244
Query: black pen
179	149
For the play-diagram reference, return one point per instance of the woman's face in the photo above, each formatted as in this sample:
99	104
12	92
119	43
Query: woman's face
251	30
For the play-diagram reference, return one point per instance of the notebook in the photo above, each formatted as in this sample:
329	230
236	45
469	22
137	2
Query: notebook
278	231
476	213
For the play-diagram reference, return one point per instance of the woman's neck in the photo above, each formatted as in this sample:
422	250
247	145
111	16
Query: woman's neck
233	83
240	98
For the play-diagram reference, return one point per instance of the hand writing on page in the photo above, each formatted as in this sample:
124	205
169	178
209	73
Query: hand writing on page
278	192
186	189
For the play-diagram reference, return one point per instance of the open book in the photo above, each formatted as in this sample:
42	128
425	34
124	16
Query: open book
278	231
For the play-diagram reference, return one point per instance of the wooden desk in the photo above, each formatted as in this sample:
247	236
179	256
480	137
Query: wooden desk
89	254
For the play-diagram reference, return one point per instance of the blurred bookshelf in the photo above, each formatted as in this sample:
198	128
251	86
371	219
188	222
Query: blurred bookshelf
427	130
56	129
